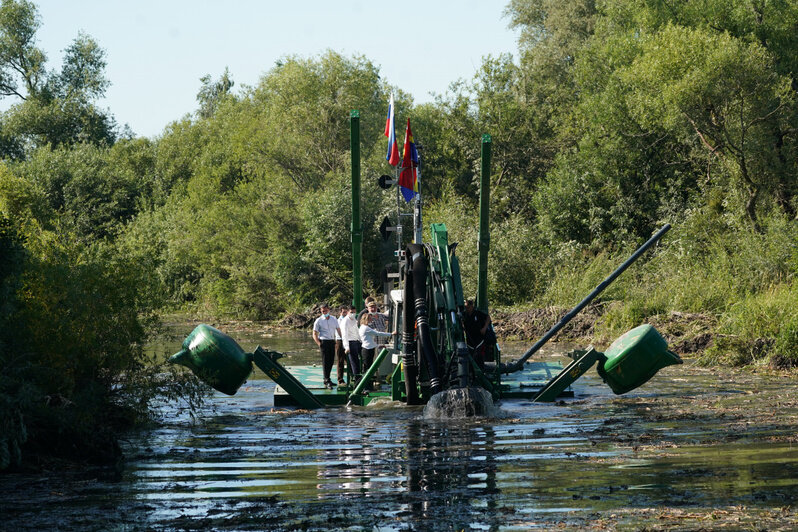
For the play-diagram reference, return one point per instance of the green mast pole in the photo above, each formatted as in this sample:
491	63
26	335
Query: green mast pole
356	227
484	226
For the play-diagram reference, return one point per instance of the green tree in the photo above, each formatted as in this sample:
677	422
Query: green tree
493	102
82	76
22	64
767	26
449	156
303	110
721	92
13	405
246	193
73	321
212	92
553	33
670	106
89	187
55	108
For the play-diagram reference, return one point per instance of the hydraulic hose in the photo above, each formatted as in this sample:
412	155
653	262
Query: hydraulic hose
419	262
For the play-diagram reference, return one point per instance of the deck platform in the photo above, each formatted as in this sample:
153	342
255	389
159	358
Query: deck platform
523	384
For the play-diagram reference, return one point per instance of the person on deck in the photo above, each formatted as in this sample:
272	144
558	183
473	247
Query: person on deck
351	340
476	325
368	301
368	337
380	319
340	355
324	329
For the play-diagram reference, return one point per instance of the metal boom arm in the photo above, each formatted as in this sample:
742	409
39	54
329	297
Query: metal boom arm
519	364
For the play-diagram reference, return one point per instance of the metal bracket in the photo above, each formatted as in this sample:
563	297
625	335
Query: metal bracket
267	362
567	376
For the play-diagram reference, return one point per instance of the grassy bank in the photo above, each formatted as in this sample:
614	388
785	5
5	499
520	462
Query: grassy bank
729	297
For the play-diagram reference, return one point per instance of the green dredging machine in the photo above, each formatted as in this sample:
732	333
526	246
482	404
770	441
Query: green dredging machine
431	362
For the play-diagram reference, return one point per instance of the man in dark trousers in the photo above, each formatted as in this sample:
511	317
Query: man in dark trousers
476	324
340	348
324	330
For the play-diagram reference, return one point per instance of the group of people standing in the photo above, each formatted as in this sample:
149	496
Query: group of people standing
357	338
349	337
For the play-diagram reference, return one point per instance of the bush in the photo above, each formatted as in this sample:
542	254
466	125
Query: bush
73	321
517	260
785	349
760	328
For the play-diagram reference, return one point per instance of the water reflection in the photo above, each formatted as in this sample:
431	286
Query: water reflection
247	466
391	468
451	473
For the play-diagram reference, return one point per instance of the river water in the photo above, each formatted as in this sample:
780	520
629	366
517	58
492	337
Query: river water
685	451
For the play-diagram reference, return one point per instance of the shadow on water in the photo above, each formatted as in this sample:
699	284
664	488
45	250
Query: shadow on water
692	448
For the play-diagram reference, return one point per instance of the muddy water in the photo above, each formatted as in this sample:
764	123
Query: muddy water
691	449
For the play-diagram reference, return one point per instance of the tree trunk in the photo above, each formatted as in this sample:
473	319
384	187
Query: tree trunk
753	196
784	191
750	208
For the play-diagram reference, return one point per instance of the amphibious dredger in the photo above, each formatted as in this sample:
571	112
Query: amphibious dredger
431	360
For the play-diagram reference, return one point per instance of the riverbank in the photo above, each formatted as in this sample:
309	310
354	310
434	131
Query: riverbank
688	334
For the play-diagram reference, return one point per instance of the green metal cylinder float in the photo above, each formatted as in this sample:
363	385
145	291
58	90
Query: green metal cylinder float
634	358
216	358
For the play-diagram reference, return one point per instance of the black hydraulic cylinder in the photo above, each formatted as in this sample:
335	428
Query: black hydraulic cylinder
419	261
519	364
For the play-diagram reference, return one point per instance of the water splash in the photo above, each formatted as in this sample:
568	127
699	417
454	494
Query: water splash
385	402
461	403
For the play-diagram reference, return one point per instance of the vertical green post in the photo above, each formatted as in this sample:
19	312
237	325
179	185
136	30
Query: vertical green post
484	226
356	227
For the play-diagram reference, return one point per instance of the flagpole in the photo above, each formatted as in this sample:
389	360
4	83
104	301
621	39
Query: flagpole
417	223
390	132
398	213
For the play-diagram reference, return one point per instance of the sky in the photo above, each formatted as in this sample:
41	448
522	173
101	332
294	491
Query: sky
157	50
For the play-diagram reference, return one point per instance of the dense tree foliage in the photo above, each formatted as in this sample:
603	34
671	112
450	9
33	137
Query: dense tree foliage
72	334
75	303
676	106
615	117
54	108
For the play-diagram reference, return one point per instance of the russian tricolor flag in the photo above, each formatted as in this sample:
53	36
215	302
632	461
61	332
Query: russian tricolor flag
390	131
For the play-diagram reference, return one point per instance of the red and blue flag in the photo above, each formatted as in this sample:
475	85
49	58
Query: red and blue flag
390	131
408	178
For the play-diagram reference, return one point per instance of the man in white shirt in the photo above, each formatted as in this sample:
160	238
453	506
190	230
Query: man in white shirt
351	340
340	350
324	330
